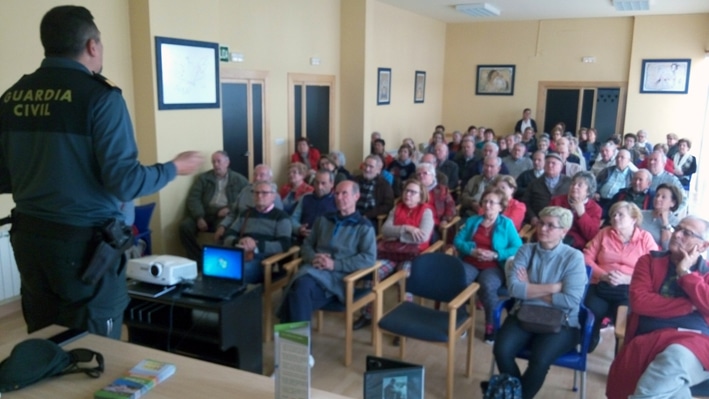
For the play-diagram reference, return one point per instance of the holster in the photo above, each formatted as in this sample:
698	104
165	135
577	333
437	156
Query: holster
114	238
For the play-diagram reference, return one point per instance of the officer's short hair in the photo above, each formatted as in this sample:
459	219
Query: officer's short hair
64	31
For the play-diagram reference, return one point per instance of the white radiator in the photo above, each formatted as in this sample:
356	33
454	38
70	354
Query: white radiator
9	276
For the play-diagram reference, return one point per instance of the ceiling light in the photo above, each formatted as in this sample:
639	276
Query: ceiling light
478	10
632	5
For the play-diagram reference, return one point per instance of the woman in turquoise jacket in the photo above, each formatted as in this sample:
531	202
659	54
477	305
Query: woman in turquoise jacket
484	245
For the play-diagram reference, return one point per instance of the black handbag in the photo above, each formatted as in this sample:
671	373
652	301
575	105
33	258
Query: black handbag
540	319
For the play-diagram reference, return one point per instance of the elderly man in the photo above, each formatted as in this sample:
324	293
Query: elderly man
656	165
526	122
341	242
517	162
314	205
605	158
376	197
465	158
639	191
529	140
446	166
642	141
548	185
667	337
613	179
563	148
208	202
489	149
529	175
246	199
262	230
510	141
470	196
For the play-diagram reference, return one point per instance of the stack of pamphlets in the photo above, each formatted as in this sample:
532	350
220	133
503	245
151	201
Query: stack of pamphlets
136	382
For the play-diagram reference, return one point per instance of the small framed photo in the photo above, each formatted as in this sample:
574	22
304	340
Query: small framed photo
383	86
495	80
665	76
419	86
392	379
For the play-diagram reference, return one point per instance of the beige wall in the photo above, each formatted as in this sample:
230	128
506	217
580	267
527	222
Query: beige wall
541	51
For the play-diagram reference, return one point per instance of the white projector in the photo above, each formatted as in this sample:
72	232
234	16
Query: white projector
161	269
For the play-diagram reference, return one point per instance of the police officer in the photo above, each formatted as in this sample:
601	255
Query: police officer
68	156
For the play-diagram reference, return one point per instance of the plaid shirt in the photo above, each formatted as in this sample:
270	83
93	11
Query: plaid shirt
441	200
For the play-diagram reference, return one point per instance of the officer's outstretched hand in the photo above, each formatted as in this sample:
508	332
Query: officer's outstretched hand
188	162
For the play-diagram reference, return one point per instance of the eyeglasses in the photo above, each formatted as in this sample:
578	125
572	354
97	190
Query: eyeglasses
262	192
687	232
542	225
412	192
489	202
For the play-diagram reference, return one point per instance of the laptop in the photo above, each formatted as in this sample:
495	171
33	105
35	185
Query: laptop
222	274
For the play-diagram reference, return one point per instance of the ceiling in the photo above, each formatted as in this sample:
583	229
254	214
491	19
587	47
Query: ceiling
516	10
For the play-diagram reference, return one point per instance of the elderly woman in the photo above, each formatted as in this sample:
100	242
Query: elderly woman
296	187
685	163
306	154
515	210
402	168
660	220
439	195
612	255
586	212
546	273
415	153
329	162
485	244
338	158
543	144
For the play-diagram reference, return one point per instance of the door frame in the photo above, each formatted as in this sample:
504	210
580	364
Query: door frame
622	97
229	75
309	80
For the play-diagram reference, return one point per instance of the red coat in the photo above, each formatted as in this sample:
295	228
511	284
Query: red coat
638	352
312	161
584	228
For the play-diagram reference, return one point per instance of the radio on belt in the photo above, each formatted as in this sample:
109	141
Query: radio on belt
161	269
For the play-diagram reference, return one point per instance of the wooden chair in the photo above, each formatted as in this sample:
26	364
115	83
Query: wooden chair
527	232
275	278
414	320
356	298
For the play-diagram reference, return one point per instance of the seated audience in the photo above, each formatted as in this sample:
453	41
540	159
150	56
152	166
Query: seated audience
529	140
446	166
402	168
314	205
306	154
380	149
613	179
209	201
570	168
436	138
340	243
527	176
466	161
659	221
454	145
575	154
262	230
473	191
439	196
612	255
246	199
550	184
515	210
546	273
672	146
591	147
586	212
502	145
666	348
656	160
339	158
372	138
489	149
605	159
639	191
642	141
517	162
485	244
543	144
685	163
376	196
415	153
293	191
329	163
669	165
629	141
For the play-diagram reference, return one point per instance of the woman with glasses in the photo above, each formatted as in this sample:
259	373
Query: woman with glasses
586	211
484	245
515	210
659	221
612	254
546	273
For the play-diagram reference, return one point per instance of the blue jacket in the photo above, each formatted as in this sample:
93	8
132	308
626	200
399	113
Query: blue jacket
505	239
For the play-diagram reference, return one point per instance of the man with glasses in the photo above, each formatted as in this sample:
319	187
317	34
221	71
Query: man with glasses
261	230
376	195
667	338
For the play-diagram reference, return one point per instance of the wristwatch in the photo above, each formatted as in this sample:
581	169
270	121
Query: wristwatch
669	228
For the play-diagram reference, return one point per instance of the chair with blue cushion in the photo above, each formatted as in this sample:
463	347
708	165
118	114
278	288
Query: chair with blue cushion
143	213
437	277
575	359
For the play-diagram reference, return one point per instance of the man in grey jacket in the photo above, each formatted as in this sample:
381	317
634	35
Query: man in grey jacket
340	243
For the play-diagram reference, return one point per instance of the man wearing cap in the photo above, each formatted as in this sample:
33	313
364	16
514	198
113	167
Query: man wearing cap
551	183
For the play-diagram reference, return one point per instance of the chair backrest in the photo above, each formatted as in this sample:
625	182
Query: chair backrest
143	213
436	276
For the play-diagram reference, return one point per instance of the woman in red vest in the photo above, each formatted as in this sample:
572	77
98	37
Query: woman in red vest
306	154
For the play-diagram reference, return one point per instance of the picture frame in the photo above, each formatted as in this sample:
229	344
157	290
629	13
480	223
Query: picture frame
387	378
495	80
383	86
187	73
665	76
419	86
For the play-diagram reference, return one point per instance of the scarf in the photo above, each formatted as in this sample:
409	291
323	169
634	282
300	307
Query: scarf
680	160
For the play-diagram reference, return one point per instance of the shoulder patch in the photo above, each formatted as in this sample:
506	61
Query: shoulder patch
106	81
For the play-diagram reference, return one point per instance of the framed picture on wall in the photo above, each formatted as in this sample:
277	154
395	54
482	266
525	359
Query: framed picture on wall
495	80
665	76
419	86
187	73
383	86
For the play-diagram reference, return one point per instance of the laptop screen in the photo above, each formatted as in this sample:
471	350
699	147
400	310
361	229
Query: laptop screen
223	262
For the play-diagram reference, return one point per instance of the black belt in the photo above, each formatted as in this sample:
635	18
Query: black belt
49	229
